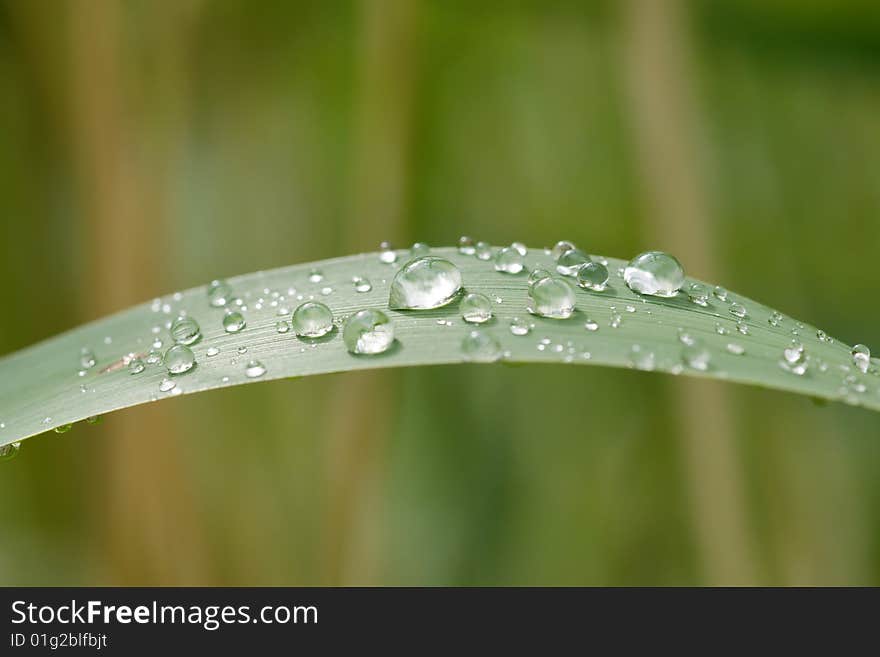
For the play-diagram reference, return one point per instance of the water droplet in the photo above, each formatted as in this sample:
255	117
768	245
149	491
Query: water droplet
466	245
616	320
242	349
219	293
185	331
368	332
94	419
720	329
483	251
87	358
738	310
480	347
720	293
179	359
735	349
10	451
312	319
361	283
571	261
425	283
561	247
166	385
742	328
63	428
654	273
520	248
593	276
822	335
537	275
698	294
315	276
696	357
136	366
775	318
861	356
254	369
686	338
509	261
641	359
387	255
519	326
476	308
233	322
212	351
282	326
591	325
551	297
419	249
794	359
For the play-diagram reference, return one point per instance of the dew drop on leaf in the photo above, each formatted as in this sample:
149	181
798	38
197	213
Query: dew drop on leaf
425	283
368	332
654	273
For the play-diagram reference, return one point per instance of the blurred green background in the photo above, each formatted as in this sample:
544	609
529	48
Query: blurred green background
150	146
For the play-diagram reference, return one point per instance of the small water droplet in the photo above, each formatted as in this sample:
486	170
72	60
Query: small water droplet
775	318
63	428
233	322
368	332
179	359
696	356
483	251
219	293
242	349
281	326
425	283
738	310
654	273
593	276
185	331
419	249
10	451
735	349
136	366
794	359
167	384
476	308
591	325
641	359
212	351
822	335
698	294
616	320
94	419
861	356
254	369
387	255
561	247
312	319
466	245
686	338
480	347
551	297
742	328
519	326
315	276
720	329
509	260
361	283
87	358
571	261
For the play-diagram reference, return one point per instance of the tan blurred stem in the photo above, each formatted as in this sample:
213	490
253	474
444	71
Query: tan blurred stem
356	446
145	506
665	122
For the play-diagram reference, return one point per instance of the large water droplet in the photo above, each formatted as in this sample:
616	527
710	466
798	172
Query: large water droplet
179	359
254	369
219	293
425	283
551	297
655	273
593	276
185	331
480	347
861	356
509	260
571	261
233	322
312	320
368	332
10	451
476	308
